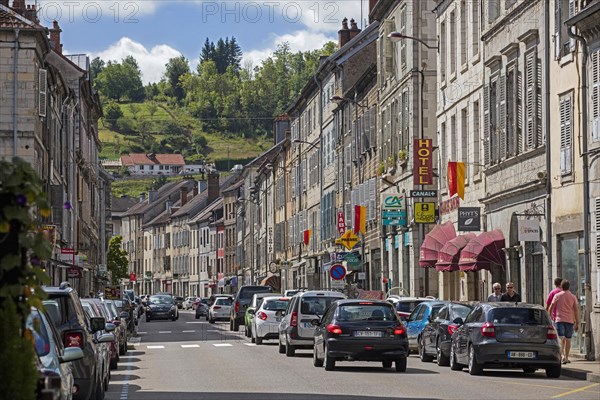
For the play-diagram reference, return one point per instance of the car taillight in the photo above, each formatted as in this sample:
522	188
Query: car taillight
216	307
74	339
488	330
294	319
452	329
335	329
237	306
551	333
399	330
261	315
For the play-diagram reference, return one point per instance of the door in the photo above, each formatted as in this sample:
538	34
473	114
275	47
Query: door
573	269
534	267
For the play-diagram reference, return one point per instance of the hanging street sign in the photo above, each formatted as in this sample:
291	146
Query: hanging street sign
348	240
423	193
337	272
424	213
393	209
352	261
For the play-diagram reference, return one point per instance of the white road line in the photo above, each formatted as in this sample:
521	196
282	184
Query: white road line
222	345
194	322
214	330
188	331
250	344
164	331
142	333
134	340
188	346
155	347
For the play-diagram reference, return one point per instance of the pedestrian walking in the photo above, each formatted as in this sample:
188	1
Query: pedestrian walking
567	317
510	294
497	294
557	289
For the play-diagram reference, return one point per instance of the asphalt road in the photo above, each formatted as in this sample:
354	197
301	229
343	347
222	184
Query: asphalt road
192	359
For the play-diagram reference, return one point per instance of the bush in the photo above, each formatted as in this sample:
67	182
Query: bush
112	113
125	126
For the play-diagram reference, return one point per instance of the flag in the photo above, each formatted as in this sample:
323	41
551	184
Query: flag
307	234
456	179
360	219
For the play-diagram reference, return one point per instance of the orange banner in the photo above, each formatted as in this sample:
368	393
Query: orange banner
360	219
456	179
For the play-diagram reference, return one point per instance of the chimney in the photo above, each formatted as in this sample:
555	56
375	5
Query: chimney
55	37
19	6
353	29
183	196
152	194
142	197
213	186
31	13
343	34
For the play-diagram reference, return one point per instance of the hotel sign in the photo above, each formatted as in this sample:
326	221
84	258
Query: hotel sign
423	162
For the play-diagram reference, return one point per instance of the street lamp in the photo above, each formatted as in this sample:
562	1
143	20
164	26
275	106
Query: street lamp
397	37
312	145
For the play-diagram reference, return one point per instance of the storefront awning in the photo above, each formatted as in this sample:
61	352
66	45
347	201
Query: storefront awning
449	254
483	252
433	243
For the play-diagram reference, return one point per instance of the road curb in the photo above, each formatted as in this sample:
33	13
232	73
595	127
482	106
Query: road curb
581	374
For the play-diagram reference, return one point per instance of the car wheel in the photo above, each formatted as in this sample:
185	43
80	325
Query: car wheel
114	363
529	370
99	392
248	331
197	316
442	360
290	350
258	340
474	367
148	319
424	357
211	321
387	364
328	361
174	319
281	347
236	326
317	362
553	371
401	364
454	365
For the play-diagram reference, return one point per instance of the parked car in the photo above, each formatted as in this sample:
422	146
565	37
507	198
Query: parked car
125	305
506	335
53	359
240	303
140	309
109	350
437	334
220	310
77	330
178	302
295	329
406	305
359	330
267	317
249	314
161	306
201	308
418	319
188	302
120	321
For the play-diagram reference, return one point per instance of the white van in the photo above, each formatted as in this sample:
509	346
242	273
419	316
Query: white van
295	329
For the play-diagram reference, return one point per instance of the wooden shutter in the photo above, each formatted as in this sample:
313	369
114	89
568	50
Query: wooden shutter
388	48
519	116
597	220
348	165
373	128
566	147
500	148
486	125
303	171
557	29
539	133
572	10
293	183
530	97
372	199
595	95
43	92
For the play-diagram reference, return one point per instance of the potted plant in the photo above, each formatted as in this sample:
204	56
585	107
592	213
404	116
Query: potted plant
403	156
381	168
391	164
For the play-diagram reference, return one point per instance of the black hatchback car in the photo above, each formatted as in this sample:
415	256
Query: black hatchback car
506	335
161	306
360	330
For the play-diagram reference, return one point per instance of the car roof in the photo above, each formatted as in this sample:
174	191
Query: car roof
324	293
282	297
362	301
505	304
267	294
408	298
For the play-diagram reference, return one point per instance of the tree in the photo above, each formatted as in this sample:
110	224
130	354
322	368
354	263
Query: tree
96	66
121	81
207	52
234	55
116	260
112	113
175	69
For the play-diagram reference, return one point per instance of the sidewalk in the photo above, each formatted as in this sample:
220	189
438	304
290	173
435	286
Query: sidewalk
582	369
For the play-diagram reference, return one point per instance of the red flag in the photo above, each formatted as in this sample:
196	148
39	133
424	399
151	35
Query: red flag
456	179
360	219
307	234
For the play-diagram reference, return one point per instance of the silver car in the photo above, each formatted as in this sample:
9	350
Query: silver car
220	309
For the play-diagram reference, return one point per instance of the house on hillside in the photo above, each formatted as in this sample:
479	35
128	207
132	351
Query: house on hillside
153	164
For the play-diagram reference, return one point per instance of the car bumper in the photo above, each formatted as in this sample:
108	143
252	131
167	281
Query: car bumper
161	315
366	350
496	353
267	330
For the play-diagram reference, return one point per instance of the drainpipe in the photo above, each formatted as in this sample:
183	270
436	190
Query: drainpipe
586	190
15	86
549	254
319	83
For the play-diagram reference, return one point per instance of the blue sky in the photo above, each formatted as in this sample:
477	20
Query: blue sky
155	31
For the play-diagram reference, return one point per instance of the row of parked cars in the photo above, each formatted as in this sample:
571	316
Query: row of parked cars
473	335
78	342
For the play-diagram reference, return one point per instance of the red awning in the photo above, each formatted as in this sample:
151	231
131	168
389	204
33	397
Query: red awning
449	255
433	243
483	252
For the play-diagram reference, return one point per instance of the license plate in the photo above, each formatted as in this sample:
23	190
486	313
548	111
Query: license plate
306	325
368	333
521	354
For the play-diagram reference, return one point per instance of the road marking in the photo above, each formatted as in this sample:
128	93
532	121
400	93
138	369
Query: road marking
134	340
188	346
155	347
164	331
531	384
250	344
575	390
214	330
142	333
194	322
222	345
188	331
125	389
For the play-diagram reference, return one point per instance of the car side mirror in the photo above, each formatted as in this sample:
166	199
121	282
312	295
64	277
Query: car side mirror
458	321
110	327
124	314
97	324
429	318
315	322
251	311
71	354
106	338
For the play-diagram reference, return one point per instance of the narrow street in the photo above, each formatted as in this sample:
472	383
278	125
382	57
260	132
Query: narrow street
192	359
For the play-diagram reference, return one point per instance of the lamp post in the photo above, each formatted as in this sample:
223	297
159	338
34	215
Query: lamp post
397	37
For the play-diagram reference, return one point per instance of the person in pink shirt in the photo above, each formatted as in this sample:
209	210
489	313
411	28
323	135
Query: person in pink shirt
567	317
557	289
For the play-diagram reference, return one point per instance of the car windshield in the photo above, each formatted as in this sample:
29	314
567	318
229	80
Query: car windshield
365	312
161	300
315	305
519	316
407	306
248	292
223	301
119	303
36	326
275	305
461	311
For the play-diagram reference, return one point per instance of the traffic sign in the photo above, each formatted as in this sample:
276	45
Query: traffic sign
423	193
348	240
337	272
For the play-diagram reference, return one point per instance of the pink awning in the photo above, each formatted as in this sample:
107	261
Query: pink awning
449	255
483	252
433	243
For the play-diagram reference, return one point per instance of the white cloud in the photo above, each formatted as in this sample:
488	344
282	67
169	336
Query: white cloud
152	62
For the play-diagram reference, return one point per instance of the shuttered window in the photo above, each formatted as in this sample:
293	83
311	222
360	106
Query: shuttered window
501	123
597	220
43	92
566	134
595	94
530	99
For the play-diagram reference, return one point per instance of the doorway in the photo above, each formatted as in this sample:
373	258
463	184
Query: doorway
571	267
